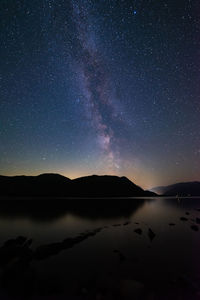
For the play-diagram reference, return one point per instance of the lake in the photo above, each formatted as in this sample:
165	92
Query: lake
101	248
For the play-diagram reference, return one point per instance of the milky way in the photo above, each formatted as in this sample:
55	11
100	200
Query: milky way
93	79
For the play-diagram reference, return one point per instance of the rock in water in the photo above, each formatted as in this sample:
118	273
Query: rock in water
183	219
138	231
198	220
126	223
121	255
194	227
151	234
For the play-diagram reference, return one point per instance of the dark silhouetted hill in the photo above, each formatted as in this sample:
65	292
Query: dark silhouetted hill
58	185
41	185
103	186
180	189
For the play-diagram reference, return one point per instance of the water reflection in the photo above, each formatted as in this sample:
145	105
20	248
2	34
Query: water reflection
115	258
47	210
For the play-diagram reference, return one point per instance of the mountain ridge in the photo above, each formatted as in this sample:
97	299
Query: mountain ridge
190	188
53	184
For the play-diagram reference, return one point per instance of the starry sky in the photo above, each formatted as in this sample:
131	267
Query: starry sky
101	87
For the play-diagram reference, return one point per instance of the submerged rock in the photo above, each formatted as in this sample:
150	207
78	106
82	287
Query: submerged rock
183	219
138	230
15	250
45	251
19	241
126	223
194	227
151	234
198	220
121	255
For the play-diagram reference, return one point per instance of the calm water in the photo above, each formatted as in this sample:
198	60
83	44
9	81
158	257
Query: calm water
117	262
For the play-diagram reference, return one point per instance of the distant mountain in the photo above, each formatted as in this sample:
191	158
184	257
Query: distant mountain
181	189
160	190
58	185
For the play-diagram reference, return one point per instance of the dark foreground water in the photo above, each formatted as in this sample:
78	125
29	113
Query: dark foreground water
119	249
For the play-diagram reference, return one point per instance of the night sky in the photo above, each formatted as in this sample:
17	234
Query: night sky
101	87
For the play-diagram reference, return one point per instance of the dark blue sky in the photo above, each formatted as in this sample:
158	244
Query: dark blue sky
104	87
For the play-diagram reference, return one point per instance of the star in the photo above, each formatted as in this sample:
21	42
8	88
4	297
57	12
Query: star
79	80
